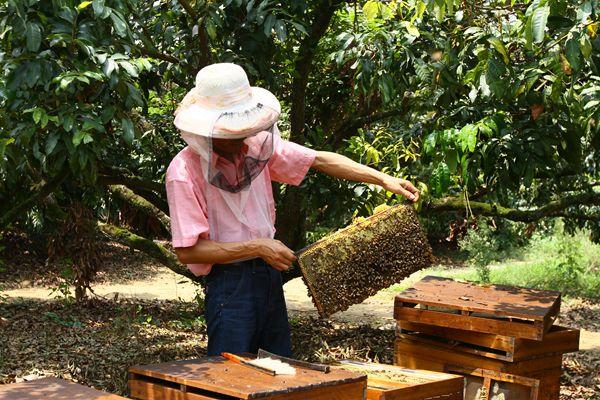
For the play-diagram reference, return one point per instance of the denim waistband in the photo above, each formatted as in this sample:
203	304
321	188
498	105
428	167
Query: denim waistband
252	263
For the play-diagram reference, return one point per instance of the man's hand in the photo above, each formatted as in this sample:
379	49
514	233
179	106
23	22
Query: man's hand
401	186
275	253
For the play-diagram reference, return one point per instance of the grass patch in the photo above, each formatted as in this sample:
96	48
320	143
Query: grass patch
570	264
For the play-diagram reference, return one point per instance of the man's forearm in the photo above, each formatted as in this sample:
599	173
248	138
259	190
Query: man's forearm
212	252
342	167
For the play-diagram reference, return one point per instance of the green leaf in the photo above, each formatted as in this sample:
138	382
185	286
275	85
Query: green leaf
130	68
451	158
118	23
467	137
128	131
67	122
429	143
592	105
585	46
37	115
78	137
539	19
83	5
371	10
573	53
98	6
300	27
211	29
51	142
280	31
108	67
87	138
499	46
4	144
440	179
33	36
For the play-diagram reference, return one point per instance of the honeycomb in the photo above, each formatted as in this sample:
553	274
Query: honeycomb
354	263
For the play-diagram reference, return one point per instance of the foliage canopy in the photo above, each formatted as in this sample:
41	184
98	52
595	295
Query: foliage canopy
491	106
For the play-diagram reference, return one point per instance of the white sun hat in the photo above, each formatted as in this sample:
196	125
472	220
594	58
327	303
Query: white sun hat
223	105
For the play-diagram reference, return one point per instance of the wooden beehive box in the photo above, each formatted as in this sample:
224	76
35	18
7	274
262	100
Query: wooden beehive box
558	340
354	263
389	382
212	378
52	389
502	310
546	370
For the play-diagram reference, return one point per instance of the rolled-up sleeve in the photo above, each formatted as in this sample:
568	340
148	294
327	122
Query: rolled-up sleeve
188	220
290	162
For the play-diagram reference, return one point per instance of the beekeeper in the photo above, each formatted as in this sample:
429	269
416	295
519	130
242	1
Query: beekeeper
222	208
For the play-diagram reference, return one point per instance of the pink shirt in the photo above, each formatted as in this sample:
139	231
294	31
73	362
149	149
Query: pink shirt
187	201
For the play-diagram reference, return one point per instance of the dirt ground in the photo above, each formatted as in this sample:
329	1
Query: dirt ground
145	313
162	284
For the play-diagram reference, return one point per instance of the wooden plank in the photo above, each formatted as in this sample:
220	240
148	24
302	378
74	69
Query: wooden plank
412	354
558	340
346	391
489	340
472	323
52	389
144	390
220	376
504	301
392	382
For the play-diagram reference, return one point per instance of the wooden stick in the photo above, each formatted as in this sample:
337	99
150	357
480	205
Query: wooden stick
243	361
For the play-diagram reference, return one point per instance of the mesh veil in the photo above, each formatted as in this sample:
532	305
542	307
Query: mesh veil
234	163
231	166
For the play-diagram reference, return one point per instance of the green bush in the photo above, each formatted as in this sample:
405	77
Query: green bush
489	243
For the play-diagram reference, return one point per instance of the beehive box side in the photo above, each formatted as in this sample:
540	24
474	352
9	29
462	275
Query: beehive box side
221	377
355	263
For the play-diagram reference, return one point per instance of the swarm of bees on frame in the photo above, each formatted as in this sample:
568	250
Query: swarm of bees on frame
371	254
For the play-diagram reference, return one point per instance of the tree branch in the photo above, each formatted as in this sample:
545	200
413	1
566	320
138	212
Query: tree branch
321	18
47	189
117	176
159	55
350	126
151	191
189	9
552	209
149	247
205	58
142	204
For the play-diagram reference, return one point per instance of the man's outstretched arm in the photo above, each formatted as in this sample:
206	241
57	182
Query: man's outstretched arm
342	167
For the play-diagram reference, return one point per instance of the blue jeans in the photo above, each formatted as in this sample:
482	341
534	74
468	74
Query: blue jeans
245	309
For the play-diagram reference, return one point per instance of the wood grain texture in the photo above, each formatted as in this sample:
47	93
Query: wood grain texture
216	376
522	329
411	354
52	389
558	340
389	382
498	300
547	370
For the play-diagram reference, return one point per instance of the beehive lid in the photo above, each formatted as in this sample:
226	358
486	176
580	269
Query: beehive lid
218	375
497	300
52	389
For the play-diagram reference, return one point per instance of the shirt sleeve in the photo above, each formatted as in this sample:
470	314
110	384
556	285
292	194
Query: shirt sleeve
188	219
290	161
